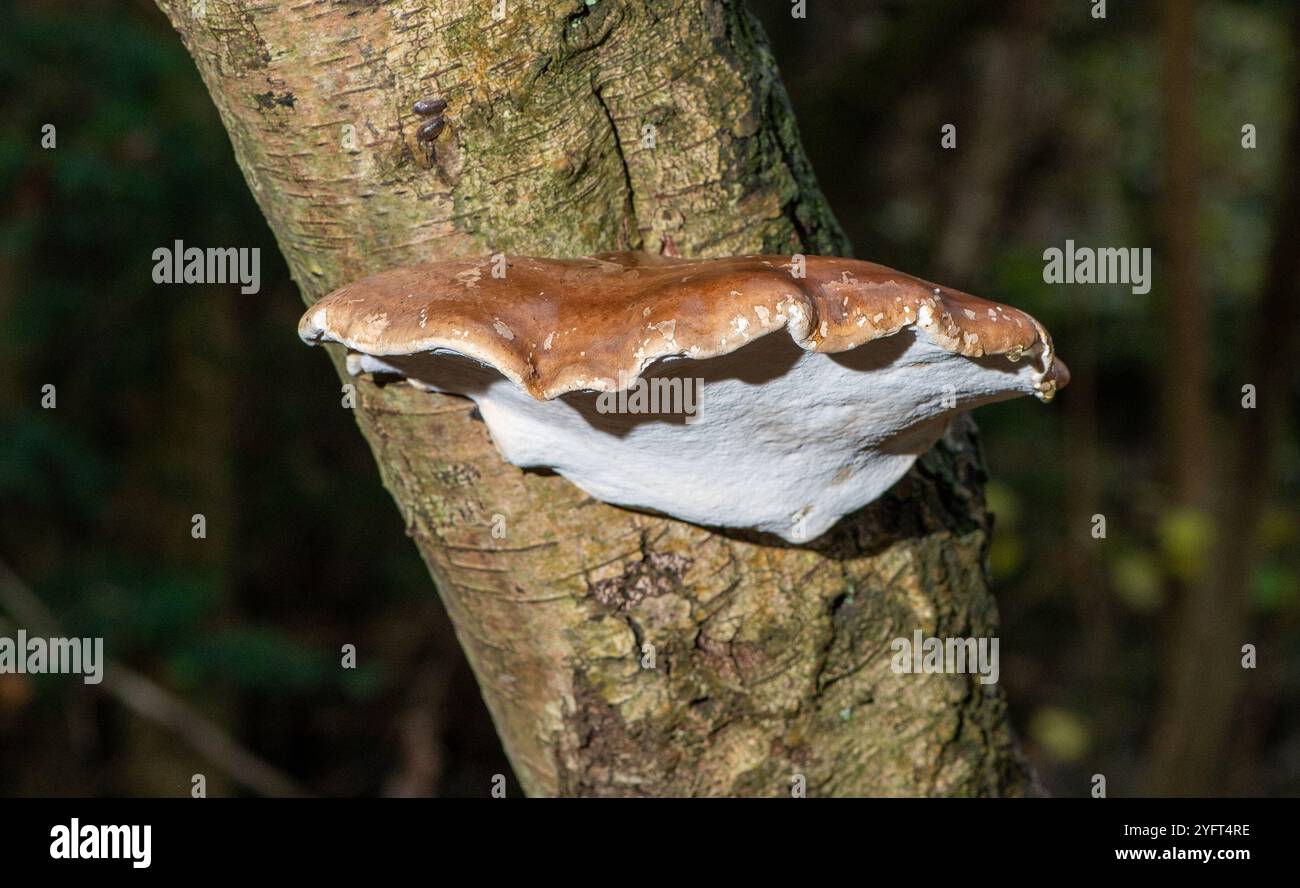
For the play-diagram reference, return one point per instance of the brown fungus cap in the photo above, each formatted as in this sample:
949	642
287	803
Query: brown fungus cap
560	325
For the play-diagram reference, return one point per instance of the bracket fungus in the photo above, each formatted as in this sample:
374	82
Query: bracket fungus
654	383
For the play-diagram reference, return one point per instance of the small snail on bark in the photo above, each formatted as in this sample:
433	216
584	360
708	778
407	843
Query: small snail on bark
433	127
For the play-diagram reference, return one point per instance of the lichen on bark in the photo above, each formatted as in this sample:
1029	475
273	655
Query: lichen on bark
574	128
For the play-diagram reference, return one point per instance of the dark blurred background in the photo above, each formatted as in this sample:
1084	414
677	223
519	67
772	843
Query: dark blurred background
1119	656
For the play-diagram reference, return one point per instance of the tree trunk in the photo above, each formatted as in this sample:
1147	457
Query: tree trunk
574	128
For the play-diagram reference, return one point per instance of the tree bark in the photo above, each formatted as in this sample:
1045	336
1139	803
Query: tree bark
574	128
